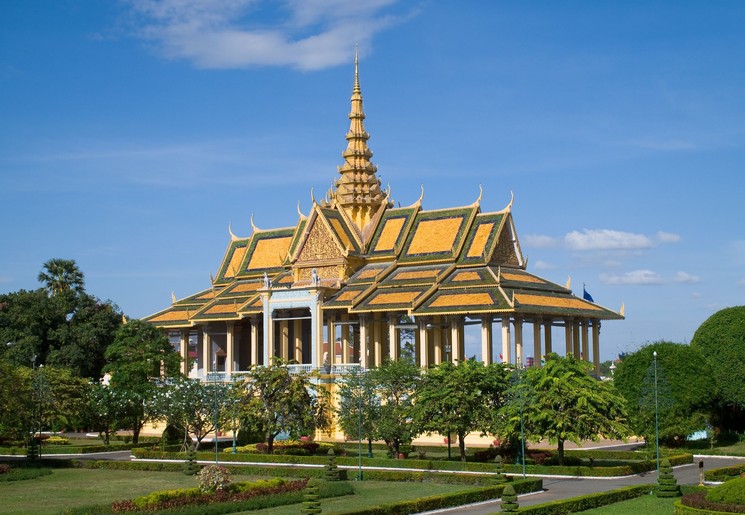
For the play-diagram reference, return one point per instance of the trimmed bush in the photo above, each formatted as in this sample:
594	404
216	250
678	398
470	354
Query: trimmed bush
587	502
667	485
213	478
311	500
509	500
731	492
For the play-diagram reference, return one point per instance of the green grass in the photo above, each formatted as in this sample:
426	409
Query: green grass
66	488
703	447
646	504
372	493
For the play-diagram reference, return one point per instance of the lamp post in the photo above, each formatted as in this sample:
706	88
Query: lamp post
233	396
359	431
37	387
215	408
656	414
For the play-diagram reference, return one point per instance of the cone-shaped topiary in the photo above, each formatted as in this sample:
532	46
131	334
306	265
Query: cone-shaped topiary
332	470
667	485
499	477
311	499
191	467
509	500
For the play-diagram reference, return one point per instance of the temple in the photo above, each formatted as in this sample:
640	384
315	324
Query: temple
357	281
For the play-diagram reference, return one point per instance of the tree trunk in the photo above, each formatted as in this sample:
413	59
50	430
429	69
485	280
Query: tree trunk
270	444
561	452
462	446
369	448
137	426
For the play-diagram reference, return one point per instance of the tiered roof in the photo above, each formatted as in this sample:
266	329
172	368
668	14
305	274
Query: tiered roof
371	257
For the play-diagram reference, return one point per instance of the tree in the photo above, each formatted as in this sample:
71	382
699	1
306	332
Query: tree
62	275
460	398
721	340
564	403
274	401
359	406
397	382
139	355
104	406
15	402
193	407
684	390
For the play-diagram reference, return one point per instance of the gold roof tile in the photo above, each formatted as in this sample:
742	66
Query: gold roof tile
269	253
479	240
389	235
435	236
555	302
462	299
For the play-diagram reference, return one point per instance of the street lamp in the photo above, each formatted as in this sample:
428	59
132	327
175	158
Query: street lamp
215	378
37	387
656	414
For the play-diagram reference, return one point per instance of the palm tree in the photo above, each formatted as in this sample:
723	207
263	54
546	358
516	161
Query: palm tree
60	275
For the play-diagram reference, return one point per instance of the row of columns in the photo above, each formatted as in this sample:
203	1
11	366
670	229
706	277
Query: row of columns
368	341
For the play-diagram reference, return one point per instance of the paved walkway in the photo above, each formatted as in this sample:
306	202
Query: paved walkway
564	488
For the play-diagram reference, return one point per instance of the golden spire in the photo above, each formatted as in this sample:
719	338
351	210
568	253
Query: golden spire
358	189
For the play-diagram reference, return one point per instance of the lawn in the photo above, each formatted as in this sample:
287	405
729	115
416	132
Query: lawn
374	493
646	504
79	487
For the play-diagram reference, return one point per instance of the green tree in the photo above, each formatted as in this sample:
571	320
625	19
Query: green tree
684	390
397	382
103	409
29	320
193	407
139	355
564	403
359	406
15	401
460	398
721	340
274	400
62	275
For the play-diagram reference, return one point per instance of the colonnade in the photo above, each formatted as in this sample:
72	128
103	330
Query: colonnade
336	339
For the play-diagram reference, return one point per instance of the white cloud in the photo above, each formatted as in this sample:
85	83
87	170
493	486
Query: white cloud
540	241
667	237
684	277
303	34
542	265
635	277
606	239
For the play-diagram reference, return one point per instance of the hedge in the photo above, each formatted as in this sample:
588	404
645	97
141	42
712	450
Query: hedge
442	501
725	473
325	490
697	503
587	502
454	466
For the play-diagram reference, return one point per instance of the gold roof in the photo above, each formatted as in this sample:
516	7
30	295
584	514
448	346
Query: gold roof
372	257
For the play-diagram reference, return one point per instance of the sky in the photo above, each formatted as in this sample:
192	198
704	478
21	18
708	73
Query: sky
134	132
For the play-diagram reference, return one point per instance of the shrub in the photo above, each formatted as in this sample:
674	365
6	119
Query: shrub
57	440
697	501
213	478
731	492
4	468
509	500
667	485
311	500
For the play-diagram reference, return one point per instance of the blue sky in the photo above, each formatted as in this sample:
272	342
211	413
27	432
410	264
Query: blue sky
134	132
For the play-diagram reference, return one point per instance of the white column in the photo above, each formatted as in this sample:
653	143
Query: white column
378	342
393	343
297	340
184	351
506	341
568	336
423	344
585	340
268	330
519	357
486	340
229	350
547	324
439	353
345	339
456	338
537	343
363	341
206	352
596	346
254	340
576	334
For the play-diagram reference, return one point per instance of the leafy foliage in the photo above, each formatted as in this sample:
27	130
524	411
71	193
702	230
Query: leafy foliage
684	390
213	478
562	402
359	406
461	398
62	275
396	383
139	355
667	485
721	340
274	401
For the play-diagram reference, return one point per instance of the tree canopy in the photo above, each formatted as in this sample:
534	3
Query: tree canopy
721	340
684	390
562	402
460	398
62	275
274	401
